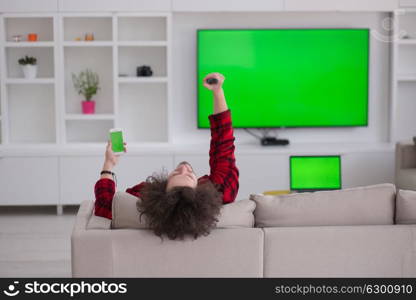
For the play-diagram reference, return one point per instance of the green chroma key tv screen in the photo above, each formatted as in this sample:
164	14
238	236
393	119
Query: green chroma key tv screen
315	172
286	77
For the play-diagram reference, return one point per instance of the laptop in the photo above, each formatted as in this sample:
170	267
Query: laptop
315	173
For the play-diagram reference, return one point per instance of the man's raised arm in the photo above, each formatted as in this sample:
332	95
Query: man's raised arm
224	171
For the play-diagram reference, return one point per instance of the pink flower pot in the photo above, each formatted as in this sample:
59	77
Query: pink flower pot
88	107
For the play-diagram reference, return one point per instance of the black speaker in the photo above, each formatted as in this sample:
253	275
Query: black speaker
271	141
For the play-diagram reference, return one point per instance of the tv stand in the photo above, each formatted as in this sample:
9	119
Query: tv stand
272	141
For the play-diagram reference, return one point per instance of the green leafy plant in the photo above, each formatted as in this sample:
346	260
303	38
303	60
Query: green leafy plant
86	83
27	60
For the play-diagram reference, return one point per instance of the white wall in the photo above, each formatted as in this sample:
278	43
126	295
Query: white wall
184	72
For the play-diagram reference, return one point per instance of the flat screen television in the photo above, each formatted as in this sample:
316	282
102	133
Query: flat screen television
286	77
309	173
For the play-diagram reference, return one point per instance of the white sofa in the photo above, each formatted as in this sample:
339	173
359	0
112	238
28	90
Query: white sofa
361	232
405	171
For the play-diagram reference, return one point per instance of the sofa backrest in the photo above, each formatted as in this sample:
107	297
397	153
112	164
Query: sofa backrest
225	252
405	156
368	205
126	215
406	207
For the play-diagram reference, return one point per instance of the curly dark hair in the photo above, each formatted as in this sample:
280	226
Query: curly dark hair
180	211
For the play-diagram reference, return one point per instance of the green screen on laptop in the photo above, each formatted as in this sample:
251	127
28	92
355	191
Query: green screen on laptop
315	172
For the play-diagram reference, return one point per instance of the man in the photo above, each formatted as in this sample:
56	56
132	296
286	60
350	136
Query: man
179	203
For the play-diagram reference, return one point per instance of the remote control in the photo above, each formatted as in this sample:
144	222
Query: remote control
212	80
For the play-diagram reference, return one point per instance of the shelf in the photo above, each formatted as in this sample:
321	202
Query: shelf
29	44
44	56
141	28
30	81
407	24
89	117
406	60
131	57
88	44
143	43
31	113
77	59
77	27
42	26
407	42
142	79
405	126
406	77
85	131
143	112
402	121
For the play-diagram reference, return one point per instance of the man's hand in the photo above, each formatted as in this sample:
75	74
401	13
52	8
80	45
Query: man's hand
217	86
220	104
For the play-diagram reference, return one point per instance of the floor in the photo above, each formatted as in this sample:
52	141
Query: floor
35	241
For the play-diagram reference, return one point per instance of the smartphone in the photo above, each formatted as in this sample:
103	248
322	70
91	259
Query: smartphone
116	137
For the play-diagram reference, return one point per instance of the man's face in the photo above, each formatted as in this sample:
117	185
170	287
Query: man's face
182	175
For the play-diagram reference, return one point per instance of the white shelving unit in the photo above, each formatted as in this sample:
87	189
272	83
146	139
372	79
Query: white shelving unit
96	55
47	109
122	42
29	106
403	101
142	98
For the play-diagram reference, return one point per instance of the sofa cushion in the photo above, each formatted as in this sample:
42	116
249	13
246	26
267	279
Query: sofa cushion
339	251
124	212
97	222
368	205
126	215
406	207
237	214
406	178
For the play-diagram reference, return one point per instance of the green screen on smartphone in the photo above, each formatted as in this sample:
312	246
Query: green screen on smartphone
117	141
315	172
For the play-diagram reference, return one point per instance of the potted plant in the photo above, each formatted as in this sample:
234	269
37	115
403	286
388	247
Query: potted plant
86	84
29	66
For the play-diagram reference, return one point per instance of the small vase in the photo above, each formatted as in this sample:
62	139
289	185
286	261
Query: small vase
30	71
88	107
